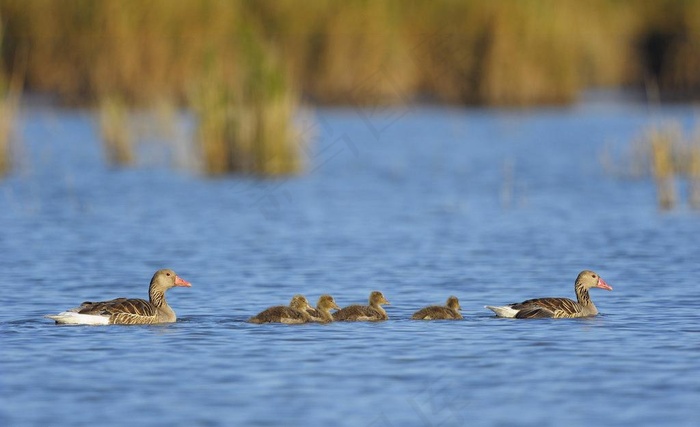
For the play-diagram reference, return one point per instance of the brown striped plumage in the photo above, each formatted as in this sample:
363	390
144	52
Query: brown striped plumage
295	312
135	311
558	307
322	312
372	312
436	312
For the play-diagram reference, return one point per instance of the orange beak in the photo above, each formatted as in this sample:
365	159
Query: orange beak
182	282
602	285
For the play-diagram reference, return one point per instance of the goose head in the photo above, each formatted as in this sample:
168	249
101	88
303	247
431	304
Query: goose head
166	278
590	279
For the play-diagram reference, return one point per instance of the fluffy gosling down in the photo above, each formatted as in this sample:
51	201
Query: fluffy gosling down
450	311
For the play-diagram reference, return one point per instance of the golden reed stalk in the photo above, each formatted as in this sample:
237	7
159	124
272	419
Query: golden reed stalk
357	52
662	165
693	171
10	94
115	131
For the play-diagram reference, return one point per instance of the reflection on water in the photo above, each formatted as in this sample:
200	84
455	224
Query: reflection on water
411	204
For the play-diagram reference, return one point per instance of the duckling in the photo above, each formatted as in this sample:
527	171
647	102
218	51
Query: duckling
437	312
322	312
294	313
373	312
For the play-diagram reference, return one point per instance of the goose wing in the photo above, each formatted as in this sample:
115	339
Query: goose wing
128	306
546	307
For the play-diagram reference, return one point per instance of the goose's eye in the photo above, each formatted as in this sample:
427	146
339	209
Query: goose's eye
167	274
594	276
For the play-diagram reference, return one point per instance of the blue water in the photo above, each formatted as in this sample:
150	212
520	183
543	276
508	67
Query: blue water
493	206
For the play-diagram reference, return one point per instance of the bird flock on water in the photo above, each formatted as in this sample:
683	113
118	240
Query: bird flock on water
155	310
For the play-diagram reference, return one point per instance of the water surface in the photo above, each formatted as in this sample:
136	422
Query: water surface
493	206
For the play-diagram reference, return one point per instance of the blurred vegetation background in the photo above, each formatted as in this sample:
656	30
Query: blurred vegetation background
243	67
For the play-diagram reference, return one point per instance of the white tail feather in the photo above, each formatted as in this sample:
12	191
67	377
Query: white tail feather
73	318
505	311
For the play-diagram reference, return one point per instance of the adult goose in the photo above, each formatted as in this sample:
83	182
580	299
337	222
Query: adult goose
295	312
372	312
128	311
558	307
437	312
322	312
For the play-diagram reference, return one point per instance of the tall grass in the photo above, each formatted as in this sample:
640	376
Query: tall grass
243	66
694	172
245	114
10	93
115	130
662	143
8	107
502	53
358	51
207	56
665	154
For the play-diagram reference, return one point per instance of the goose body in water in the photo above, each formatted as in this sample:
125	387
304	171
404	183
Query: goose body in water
128	311
558	307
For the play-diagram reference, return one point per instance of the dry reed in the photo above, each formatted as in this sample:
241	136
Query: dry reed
663	153
245	115
693	171
10	94
8	108
242	66
661	144
115	131
385	51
